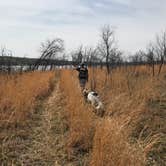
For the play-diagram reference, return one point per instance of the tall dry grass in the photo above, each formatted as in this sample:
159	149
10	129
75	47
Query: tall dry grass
136	100
106	139
80	118
133	122
20	112
111	146
19	94
132	131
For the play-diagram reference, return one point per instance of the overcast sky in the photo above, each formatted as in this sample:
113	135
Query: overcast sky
24	24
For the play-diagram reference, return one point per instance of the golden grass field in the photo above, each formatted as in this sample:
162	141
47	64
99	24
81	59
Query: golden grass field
131	132
19	93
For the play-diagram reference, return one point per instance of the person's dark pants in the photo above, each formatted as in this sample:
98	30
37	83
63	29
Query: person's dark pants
82	83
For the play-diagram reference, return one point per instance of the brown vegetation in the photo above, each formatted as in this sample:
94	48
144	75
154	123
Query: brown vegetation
80	118
19	93
132	130
20	109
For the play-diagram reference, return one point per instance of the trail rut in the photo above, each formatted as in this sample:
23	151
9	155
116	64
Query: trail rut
47	138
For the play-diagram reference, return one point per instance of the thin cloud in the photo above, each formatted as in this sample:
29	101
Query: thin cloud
24	24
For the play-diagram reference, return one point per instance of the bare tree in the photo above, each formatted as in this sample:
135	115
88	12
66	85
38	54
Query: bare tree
6	56
87	54
90	55
150	57
160	49
138	57
50	50
77	56
107	46
2	54
116	57
3	51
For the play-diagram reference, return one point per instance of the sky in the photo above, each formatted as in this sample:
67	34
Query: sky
24	24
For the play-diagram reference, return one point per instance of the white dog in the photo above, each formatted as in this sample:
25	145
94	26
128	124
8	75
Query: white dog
93	98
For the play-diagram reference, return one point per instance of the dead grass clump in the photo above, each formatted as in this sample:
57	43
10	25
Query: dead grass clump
19	93
133	130
135	98
111	147
81	120
20	109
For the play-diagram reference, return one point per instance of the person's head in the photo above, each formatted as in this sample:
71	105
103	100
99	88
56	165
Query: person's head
82	64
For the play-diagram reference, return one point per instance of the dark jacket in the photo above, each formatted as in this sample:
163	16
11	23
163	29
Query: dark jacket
83	72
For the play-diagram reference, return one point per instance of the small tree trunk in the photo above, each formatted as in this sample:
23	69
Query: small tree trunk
153	69
160	67
108	68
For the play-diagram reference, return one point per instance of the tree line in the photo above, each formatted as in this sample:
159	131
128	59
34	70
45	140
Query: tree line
106	53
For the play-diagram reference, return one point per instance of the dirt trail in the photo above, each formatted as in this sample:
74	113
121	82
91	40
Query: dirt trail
46	146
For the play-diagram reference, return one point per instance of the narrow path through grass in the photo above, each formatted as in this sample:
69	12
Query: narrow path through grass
40	142
46	143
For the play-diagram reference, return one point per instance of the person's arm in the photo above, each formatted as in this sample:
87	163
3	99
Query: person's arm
78	68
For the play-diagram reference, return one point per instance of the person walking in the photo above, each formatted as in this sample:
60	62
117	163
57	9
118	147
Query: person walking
83	75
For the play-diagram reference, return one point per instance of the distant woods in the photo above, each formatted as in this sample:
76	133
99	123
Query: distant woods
105	53
49	51
155	54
